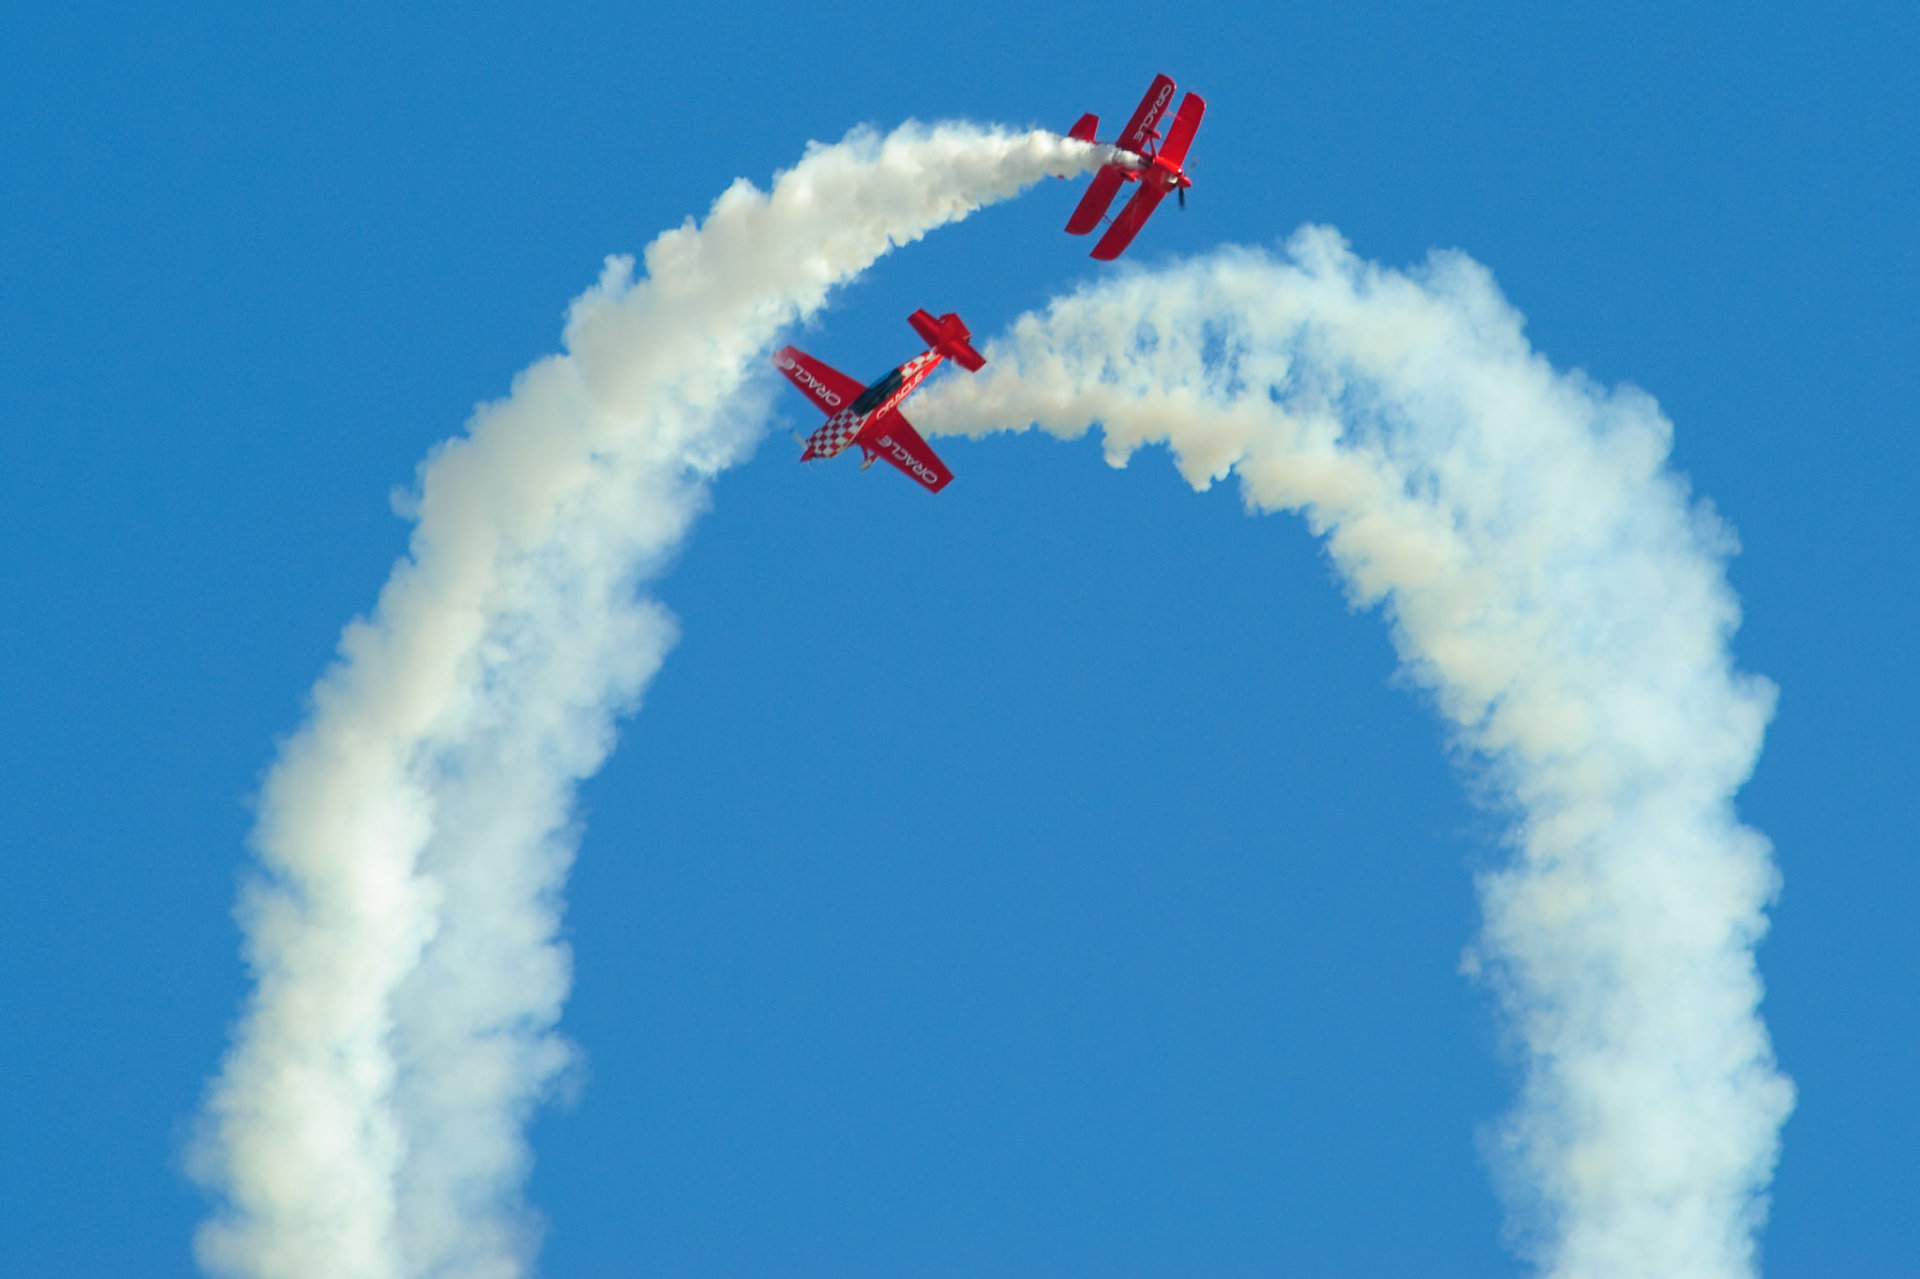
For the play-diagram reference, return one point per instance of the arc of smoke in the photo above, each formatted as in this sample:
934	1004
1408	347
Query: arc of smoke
413	835
1551	583
1545	576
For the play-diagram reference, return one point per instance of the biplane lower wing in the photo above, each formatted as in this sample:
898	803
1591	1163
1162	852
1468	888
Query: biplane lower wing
1128	224
892	437
1093	205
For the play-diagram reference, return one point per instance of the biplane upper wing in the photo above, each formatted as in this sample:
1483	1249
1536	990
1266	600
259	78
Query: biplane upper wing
825	385
1139	130
891	436
1128	224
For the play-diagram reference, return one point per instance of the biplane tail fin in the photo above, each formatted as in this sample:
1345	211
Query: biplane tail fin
1084	128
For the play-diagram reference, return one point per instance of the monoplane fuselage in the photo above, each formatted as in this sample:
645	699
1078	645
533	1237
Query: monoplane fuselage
870	415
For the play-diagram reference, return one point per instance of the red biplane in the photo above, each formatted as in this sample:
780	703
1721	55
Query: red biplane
870	415
1157	167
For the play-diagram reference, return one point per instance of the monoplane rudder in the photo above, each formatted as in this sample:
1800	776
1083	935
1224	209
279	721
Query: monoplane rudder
949	336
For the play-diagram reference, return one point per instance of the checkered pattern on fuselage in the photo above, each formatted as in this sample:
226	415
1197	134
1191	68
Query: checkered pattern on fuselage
832	439
843	427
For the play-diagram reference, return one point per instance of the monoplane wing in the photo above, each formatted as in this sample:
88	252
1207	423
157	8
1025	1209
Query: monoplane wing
1139	130
1128	224
891	436
826	386
1093	205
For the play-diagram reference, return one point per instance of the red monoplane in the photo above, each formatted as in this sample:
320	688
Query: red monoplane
1155	165
870	415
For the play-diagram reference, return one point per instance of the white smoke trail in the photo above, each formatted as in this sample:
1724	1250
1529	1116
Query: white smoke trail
414	834
1549	580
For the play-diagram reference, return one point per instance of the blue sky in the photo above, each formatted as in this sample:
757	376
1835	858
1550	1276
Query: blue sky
1045	878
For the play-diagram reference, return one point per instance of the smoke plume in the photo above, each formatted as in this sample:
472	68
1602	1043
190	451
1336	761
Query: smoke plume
414	834
1550	582
1547	578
